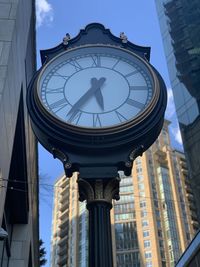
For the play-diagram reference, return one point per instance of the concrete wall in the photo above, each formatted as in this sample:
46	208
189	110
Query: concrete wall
17	64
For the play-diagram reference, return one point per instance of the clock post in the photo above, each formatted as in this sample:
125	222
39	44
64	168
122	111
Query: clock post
99	194
96	104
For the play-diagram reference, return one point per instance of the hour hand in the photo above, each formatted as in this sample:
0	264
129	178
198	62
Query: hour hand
99	98
95	86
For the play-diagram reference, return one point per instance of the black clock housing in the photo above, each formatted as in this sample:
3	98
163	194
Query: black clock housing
91	150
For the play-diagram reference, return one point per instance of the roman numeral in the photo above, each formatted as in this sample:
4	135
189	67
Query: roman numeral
134	103
58	105
138	88
96	120
96	61
115	63
54	91
75	117
75	64
65	77
131	73
120	116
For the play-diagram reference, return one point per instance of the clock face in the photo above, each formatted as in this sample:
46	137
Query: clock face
96	86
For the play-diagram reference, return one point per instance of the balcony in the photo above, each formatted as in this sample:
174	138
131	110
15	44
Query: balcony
65	182
160	156
62	260
63	250
190	196
64	198
65	190
192	206
193	216
63	241
184	171
188	189
64	223
64	206
64	214
63	232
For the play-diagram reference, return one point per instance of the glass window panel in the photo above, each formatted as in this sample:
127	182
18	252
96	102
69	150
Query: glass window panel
146	233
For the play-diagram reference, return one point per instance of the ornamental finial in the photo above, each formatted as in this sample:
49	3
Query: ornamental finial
123	37
66	39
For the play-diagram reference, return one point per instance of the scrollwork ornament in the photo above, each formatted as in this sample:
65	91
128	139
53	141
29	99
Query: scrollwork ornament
99	190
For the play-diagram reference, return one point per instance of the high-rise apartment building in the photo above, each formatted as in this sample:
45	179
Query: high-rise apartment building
18	148
180	29
152	223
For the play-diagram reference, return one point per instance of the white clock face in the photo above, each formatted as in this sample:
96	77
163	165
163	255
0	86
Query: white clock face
96	87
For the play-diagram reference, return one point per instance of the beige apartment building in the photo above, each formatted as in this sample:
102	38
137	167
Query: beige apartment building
152	223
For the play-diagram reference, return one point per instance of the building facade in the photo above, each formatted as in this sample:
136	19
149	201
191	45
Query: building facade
18	157
69	241
180	29
152	223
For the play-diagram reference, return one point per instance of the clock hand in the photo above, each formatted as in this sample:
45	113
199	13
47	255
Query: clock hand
96	85
99	98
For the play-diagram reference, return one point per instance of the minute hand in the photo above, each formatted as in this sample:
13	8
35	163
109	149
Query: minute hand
96	84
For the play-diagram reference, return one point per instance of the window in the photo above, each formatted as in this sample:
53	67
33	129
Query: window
141	186
147	254
139	170
162	254
158	223
145	233
124	216
145	223
156	204
142	204
147	243
138	161
143	213
142	194
161	243
159	233
140	177
157	213
165	137
149	264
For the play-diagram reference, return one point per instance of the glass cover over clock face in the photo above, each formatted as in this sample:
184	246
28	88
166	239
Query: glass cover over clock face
96	86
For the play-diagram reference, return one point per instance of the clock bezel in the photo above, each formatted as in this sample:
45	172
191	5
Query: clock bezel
99	130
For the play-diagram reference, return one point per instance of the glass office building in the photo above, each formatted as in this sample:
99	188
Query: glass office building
191	257
180	29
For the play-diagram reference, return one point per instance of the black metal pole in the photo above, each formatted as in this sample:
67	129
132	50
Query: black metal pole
100	239
99	194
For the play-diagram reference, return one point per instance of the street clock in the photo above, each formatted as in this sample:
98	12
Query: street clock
97	100
96	104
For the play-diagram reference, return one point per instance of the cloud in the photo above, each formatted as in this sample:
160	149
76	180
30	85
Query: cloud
177	135
44	12
170	111
170	114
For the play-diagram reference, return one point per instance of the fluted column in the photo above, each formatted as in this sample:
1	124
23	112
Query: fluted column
99	195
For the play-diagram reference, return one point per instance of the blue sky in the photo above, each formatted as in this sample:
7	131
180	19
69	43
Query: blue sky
55	18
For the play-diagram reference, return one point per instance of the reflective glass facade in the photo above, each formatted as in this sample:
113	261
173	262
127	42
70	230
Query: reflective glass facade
180	29
169	215
191	257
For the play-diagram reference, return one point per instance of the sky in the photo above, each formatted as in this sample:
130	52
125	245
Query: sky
138	20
